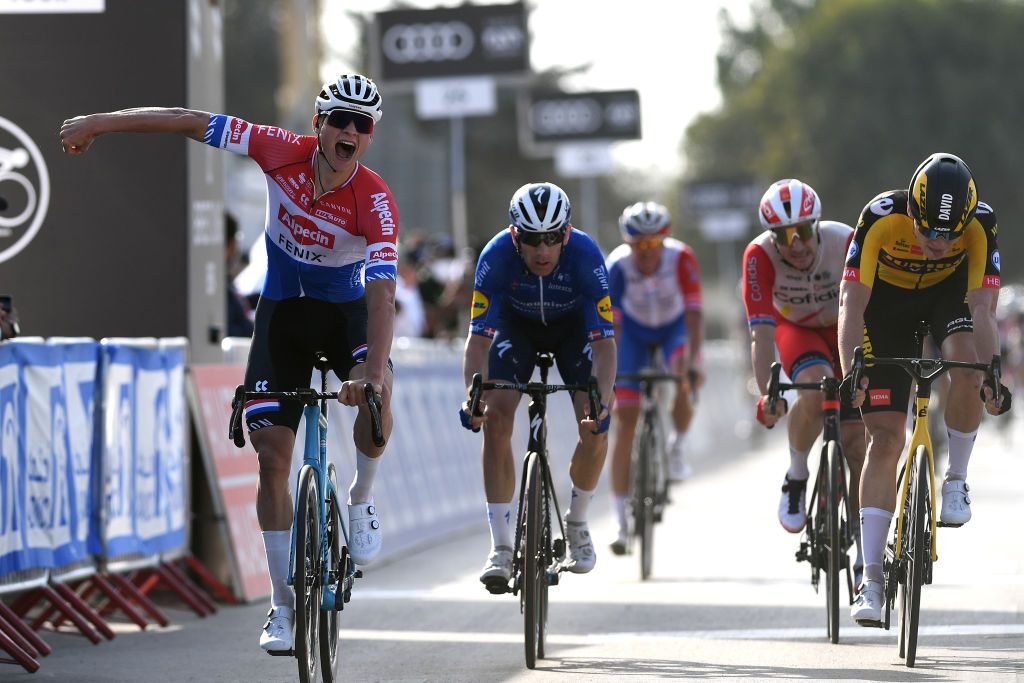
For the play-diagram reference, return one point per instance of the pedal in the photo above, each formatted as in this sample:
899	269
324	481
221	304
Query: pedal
496	586
552	578
947	525
358	574
280	653
870	623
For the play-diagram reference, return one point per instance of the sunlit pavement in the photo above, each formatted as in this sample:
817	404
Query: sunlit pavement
726	600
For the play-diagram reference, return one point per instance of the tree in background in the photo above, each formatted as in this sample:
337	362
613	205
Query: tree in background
850	95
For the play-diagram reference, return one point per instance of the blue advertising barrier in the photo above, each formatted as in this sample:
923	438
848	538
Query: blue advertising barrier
47	399
142	453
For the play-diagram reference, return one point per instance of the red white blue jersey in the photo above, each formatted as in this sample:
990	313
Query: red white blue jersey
315	248
772	288
661	298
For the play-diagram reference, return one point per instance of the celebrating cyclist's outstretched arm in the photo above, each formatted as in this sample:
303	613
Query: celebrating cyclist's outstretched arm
78	134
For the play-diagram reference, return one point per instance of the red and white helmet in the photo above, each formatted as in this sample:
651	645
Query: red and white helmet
789	202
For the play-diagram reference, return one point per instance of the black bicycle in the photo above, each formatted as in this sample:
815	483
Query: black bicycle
539	556
649	490
910	555
322	572
828	535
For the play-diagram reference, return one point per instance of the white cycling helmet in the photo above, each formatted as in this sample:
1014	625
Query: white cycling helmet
644	219
789	202
352	92
539	207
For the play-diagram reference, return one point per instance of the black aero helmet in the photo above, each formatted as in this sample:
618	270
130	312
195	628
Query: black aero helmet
943	197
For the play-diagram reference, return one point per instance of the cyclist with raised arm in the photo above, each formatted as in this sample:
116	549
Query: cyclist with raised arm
654	282
924	254
332	225
791	276
540	285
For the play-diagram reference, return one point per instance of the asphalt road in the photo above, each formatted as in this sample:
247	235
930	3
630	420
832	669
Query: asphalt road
726	601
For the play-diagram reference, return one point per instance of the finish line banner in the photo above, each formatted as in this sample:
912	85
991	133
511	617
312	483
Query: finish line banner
143	450
47	399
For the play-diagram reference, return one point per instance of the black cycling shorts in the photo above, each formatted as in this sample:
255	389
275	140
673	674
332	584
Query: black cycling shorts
891	321
288	334
513	353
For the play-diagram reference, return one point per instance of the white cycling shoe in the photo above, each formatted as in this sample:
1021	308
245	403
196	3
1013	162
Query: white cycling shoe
277	631
620	546
678	467
956	504
364	536
497	570
867	608
582	557
793	505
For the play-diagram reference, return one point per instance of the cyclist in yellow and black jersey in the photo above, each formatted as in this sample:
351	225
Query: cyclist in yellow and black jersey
925	254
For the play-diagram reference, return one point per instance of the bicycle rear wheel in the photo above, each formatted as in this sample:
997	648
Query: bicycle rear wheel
535	578
916	547
645	492
330	620
306	576
833	542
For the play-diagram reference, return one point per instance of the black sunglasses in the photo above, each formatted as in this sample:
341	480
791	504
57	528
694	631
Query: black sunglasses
340	118
535	239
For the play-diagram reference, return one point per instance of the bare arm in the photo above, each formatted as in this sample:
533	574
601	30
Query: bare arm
762	353
604	367
853	301
695	330
474	359
77	134
981	303
380	328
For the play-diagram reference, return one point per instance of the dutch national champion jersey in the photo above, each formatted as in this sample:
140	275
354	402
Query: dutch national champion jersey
809	298
503	285
886	249
314	248
659	299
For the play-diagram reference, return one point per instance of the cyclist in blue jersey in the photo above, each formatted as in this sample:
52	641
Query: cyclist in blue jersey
540	286
332	225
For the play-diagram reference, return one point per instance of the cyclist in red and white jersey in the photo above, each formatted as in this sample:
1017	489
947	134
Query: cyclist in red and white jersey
654	283
791	276
331	233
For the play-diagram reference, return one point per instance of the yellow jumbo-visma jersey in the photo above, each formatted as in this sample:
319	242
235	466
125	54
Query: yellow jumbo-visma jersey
884	245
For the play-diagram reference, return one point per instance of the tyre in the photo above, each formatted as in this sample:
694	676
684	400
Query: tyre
645	493
306	576
330	620
834	545
543	560
916	549
534	574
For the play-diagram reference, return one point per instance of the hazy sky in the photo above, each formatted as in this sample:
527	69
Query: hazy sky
664	49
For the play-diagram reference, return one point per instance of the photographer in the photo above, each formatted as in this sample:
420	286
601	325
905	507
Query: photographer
9	328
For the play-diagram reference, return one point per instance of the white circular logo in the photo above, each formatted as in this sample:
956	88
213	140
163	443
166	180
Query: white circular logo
853	250
24	189
883	207
995	260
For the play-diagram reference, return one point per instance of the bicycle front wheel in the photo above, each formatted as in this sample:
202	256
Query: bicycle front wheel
834	544
644	495
535	574
916	551
330	620
306	576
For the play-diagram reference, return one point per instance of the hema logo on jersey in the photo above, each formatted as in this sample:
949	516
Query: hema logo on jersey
304	231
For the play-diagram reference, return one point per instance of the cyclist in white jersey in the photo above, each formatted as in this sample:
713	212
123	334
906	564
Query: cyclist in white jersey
332	225
654	282
791	276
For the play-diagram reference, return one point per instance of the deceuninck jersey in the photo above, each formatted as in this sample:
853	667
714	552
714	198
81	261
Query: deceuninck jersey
504	286
324	249
658	299
809	298
886	248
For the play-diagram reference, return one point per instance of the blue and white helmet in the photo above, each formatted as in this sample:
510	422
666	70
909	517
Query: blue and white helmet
352	92
539	207
644	219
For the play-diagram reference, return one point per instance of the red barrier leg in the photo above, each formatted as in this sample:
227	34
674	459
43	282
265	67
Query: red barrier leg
12	632
189	585
80	623
133	592
182	591
18	653
75	600
26	601
59	619
10	616
211	582
117	600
